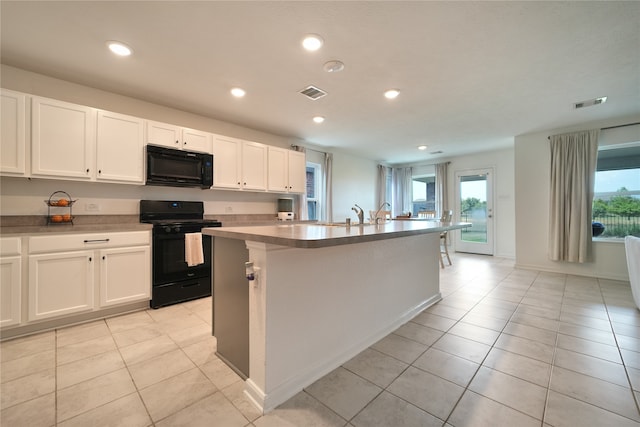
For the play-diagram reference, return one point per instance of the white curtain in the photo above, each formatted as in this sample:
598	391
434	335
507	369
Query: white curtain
573	166
382	185
303	208
402	190
327	187
442	189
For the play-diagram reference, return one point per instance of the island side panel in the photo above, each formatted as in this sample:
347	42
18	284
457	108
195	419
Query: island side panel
314	309
231	303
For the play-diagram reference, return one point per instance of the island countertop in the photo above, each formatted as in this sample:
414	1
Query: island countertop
320	235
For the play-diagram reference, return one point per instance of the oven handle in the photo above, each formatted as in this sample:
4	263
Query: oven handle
97	241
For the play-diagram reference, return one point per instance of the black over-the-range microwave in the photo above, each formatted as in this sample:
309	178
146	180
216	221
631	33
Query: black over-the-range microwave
178	168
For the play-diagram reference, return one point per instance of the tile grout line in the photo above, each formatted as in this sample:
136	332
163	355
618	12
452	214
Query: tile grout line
481	364
553	357
615	337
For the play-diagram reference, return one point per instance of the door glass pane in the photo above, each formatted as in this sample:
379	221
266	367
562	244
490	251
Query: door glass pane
473	207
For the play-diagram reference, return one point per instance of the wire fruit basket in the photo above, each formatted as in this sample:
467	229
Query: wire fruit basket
59	208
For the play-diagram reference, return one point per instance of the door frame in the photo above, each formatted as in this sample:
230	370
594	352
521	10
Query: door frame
487	248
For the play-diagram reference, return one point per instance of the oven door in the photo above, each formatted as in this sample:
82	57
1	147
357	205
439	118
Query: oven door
169	265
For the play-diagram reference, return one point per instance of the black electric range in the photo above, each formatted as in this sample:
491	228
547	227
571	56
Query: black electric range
173	280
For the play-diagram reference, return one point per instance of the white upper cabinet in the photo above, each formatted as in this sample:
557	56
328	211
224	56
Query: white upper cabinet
177	137
226	162
120	148
63	139
297	172
278	178
13	127
286	171
195	140
254	166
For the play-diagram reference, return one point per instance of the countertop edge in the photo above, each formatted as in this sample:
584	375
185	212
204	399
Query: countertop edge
312	243
20	231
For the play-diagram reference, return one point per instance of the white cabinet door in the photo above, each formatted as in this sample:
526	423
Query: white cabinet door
164	134
10	288
60	283
125	275
278	179
120	148
254	166
13	128
62	139
226	162
297	172
195	140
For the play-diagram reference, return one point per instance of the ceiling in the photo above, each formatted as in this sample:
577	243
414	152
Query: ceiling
472	75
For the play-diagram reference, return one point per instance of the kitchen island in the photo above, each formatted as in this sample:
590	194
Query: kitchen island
322	293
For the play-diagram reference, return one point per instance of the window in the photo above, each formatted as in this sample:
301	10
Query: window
616	200
314	179
423	194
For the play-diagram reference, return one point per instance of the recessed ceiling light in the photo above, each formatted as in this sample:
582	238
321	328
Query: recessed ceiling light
238	92
333	66
119	48
392	93
312	42
318	119
422	147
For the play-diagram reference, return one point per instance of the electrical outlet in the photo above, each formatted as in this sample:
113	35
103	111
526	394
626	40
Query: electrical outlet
228	209
92	207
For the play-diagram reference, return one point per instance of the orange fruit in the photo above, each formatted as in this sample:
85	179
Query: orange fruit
63	202
56	218
66	218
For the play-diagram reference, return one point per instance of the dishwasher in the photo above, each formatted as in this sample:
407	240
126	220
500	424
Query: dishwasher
231	303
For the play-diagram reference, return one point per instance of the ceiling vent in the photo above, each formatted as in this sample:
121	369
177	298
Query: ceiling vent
590	102
313	92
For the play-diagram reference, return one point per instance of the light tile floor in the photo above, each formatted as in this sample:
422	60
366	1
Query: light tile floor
505	347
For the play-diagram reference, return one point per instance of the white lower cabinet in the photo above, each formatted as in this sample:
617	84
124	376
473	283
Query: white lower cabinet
75	273
60	283
10	281
124	275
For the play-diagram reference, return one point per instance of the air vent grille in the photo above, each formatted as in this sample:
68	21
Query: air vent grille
313	92
436	152
590	102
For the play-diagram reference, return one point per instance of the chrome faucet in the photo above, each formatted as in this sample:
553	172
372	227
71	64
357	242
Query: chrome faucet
360	214
380	208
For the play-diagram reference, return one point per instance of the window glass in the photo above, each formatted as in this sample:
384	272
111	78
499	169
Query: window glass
314	179
423	194
616	200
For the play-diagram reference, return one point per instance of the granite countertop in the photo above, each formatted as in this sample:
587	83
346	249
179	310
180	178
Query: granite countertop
35	225
318	235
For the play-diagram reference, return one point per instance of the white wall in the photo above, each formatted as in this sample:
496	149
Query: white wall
532	163
353	180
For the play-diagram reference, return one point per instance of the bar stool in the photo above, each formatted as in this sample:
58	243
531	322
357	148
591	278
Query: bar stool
447	215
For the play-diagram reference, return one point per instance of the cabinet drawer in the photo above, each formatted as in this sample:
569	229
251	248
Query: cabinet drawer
69	242
10	246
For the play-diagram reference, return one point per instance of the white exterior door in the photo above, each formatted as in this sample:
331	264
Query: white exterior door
474	204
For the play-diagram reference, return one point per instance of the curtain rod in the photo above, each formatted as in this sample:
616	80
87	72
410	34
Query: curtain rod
614	127
420	164
295	147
